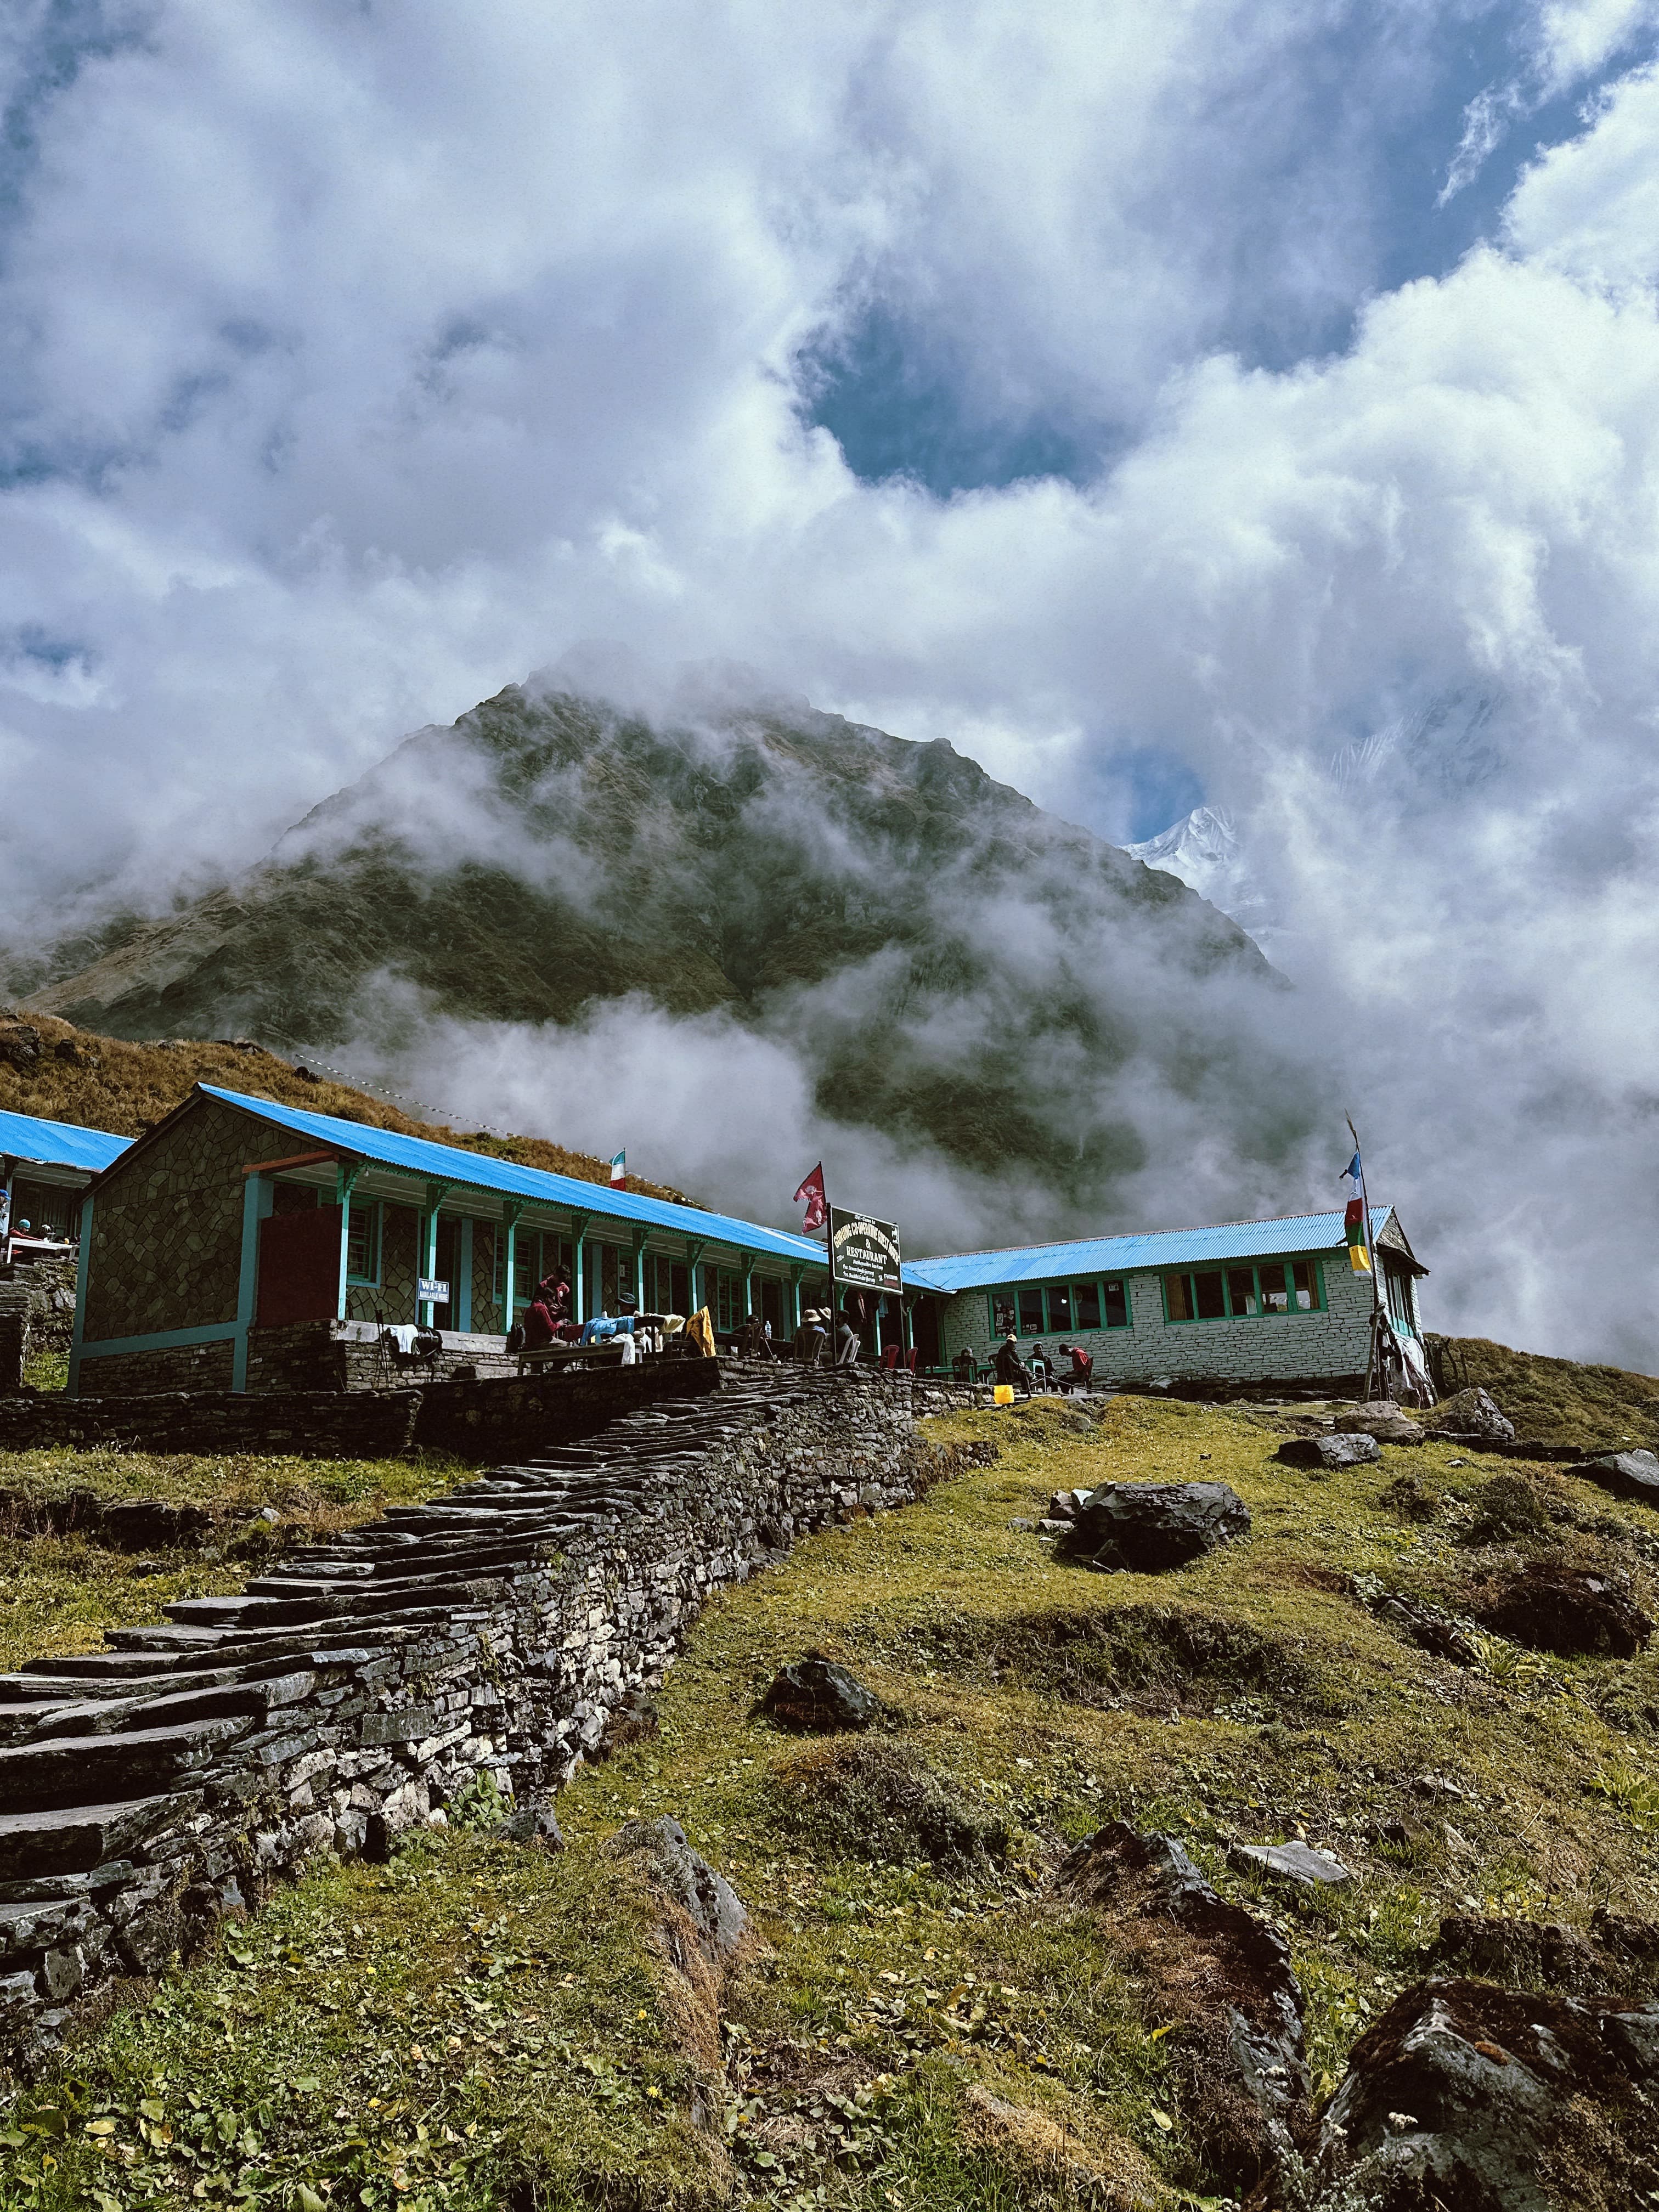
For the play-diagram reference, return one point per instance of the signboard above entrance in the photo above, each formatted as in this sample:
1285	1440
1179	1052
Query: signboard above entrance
864	1254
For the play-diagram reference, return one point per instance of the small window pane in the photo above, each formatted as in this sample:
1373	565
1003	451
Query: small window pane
1059	1306
1118	1306
363	1245
1241	1289
1178	1292
1030	1313
1207	1286
1303	1281
1002	1315
1085	1305
1275	1297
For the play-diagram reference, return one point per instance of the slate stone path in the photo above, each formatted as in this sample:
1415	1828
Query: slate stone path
150	1779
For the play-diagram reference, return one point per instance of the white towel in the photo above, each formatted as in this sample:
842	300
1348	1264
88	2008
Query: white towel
403	1335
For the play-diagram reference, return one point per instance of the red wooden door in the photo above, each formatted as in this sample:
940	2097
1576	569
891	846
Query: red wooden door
299	1267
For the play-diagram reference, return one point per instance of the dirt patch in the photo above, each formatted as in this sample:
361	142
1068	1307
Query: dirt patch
1133	1654
879	1799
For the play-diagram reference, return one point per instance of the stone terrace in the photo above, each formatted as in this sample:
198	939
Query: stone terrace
351	1691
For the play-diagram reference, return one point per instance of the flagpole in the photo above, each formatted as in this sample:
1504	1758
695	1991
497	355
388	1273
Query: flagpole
1371	1361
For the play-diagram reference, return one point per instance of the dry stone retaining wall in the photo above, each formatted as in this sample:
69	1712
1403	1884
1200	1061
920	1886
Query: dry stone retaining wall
356	1688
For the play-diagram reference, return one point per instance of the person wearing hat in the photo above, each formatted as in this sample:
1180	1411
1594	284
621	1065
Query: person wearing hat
811	1340
1010	1367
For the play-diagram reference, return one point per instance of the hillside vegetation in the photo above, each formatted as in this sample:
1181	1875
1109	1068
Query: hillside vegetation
50	1067
948	964
1557	1401
924	2024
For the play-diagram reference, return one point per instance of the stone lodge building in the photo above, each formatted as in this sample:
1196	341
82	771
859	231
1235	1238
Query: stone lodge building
242	1245
1248	1302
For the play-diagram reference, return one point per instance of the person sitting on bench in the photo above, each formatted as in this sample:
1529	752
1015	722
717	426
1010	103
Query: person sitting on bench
1010	1368
541	1321
1082	1367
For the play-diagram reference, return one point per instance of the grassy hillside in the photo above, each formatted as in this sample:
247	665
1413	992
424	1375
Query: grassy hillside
111	1083
1556	1401
924	2027
953	966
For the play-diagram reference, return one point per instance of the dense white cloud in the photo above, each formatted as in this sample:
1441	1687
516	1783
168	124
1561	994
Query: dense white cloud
355	363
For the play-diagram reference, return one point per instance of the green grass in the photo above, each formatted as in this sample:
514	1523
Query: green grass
59	1593
922	2026
1558	1402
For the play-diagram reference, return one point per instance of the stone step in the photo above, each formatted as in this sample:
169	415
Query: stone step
66	1771
49	1842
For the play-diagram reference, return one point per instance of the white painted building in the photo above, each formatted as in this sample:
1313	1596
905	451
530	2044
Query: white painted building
1245	1302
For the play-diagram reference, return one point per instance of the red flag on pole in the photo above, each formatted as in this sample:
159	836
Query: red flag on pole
810	1194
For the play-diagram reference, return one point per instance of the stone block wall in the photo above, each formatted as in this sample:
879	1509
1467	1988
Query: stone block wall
166	1230
355	1691
171	1367
475	1421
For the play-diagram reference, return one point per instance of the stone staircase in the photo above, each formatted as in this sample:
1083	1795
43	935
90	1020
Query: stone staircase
150	1786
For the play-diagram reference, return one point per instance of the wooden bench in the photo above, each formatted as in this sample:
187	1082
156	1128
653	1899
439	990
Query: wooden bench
606	1350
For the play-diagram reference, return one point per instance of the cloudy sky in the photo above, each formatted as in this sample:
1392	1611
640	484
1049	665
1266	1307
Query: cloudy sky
1166	403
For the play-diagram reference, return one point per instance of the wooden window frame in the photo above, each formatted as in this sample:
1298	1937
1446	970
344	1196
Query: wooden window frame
368	1209
1315	1265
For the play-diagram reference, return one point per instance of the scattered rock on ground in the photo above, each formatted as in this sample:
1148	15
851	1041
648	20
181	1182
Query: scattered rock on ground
1466	2095
1378	1417
1626	1474
533	1823
716	1914
1294	1862
1331	1451
818	1695
1146	1526
1566	1610
1470	1413
1066	1504
1221	1979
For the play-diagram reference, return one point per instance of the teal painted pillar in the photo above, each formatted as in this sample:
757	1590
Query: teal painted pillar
795	1274
639	1271
257	1192
509	1229
461	1292
344	1181
82	1261
427	1261
579	1265
694	1252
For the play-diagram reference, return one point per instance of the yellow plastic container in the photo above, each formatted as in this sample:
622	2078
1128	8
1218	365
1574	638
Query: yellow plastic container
1002	1394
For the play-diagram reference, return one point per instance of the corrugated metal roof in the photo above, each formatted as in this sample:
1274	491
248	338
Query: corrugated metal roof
58	1144
1119	1255
478	1171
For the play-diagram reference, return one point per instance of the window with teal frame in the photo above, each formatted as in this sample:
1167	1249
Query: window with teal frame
1247	1290
364	1243
1058	1309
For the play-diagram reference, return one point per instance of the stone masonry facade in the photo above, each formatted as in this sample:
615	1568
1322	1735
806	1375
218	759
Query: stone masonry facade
1310	1348
355	1689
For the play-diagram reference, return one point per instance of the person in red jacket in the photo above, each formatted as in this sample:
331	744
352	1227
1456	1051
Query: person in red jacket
1082	1367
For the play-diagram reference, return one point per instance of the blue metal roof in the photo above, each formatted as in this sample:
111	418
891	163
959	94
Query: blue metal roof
58	1144
478	1171
1119	1255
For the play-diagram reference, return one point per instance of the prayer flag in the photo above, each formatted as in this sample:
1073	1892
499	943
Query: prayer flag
1354	1226
619	1169
810	1194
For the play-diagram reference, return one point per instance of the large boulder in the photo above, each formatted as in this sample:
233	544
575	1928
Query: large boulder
1221	1982
819	1696
1493	2101
1146	1526
1356	1450
1566	1610
1470	1413
1625	1473
1381	1419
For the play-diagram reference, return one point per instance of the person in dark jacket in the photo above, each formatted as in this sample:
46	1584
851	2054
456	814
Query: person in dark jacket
1010	1368
1082	1367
